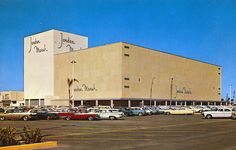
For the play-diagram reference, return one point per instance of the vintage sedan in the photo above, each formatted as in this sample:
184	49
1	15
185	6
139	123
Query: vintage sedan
78	116
126	111
220	113
179	111
15	114
233	113
111	114
44	114
137	111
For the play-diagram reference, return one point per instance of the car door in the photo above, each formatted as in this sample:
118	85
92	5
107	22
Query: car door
227	113
218	113
103	114
9	114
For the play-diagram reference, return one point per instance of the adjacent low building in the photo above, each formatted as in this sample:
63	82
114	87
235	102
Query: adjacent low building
119	74
11	98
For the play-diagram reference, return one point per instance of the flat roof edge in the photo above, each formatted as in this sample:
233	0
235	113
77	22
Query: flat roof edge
174	54
47	30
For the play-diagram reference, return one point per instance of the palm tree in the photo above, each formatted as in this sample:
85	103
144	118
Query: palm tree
70	83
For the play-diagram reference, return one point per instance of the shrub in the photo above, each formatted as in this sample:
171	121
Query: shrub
8	136
31	135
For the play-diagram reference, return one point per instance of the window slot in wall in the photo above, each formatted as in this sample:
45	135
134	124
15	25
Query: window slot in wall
126	86
126	55
126	47
126	78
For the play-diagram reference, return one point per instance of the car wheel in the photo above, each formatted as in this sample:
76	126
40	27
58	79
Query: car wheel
208	116
67	118
233	116
48	117
2	118
140	114
90	118
168	113
25	118
112	118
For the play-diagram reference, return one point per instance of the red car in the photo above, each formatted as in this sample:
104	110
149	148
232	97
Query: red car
77	116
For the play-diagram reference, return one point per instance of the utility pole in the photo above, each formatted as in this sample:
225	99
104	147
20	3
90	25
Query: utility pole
73	62
151	90
171	90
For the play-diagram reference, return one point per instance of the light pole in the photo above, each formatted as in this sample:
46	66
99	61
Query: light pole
171	90
151	90
73	62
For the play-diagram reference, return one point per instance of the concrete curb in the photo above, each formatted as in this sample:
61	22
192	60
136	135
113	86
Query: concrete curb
30	146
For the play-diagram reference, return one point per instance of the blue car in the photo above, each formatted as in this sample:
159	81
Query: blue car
137	111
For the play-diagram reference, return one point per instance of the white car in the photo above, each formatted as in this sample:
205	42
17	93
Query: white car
111	114
220	113
148	110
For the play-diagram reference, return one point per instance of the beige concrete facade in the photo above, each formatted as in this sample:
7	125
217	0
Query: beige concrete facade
11	98
189	79
39	51
98	70
123	72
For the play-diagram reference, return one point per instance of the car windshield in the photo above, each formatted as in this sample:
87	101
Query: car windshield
9	111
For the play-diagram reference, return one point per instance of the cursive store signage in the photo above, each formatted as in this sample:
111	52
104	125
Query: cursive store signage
66	41
36	45
183	90
85	88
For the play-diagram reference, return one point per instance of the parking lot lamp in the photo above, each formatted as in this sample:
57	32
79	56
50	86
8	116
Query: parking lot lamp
151	90
171	90
73	62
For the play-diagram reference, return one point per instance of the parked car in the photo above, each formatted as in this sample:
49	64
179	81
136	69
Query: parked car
45	114
102	107
233	115
220	113
137	111
148	110
78	116
155	110
179	111
1	110
111	114
16	114
126	111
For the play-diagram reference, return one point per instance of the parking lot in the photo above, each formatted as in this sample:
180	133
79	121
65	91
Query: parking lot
148	132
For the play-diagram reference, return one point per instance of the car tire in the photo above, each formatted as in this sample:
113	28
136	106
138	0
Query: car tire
233	116
208	116
67	118
90	118
168	113
48	118
112	118
2	118
25	118
140	114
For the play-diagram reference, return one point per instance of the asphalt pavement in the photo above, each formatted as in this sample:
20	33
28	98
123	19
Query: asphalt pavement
157	132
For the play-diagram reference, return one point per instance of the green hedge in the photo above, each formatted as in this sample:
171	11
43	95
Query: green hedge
9	136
